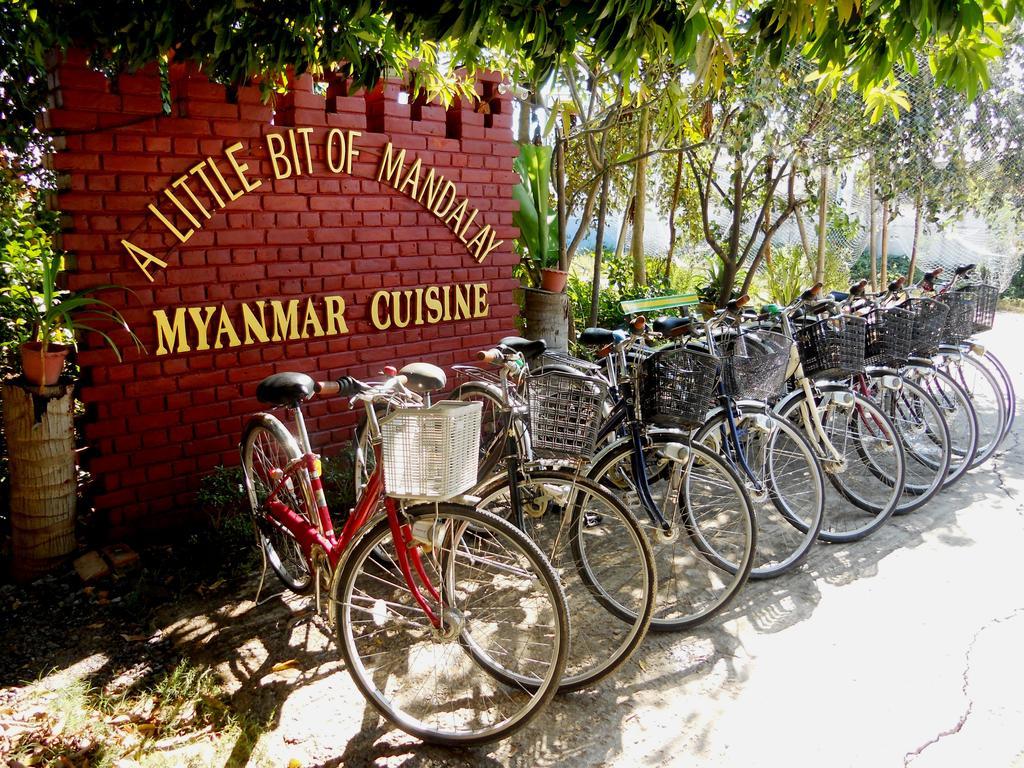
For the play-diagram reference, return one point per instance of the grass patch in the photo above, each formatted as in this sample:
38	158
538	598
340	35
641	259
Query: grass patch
183	718
1010	305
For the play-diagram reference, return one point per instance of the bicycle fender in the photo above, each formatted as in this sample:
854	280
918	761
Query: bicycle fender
671	435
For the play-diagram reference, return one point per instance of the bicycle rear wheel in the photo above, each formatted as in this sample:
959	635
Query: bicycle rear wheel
268	449
602	559
501	608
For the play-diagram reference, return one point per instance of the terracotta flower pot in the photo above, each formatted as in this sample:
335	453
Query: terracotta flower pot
43	368
553	280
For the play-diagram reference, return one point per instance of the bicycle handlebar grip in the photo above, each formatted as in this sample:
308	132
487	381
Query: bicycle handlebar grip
327	388
739	303
492	356
812	293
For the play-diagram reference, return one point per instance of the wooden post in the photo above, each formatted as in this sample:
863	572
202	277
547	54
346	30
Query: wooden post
41	452
547	317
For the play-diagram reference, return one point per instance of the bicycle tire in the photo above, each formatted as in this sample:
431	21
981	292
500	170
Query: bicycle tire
389	682
597	527
924	434
790	504
957	411
1006	384
986	398
494	421
693	585
842	524
268	447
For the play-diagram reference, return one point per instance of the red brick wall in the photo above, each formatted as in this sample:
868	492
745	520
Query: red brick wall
156	424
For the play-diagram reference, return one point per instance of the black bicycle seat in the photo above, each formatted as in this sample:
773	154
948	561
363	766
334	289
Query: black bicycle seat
672	326
529	349
963	269
596	337
285	389
423	377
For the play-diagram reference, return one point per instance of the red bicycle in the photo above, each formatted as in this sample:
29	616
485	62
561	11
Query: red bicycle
450	620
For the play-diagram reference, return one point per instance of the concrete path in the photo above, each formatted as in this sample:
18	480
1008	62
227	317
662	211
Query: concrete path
904	649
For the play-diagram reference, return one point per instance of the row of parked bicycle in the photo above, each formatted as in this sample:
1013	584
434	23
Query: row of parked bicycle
520	536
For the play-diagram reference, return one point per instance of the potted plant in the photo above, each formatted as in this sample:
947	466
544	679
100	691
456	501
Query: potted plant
54	317
538	225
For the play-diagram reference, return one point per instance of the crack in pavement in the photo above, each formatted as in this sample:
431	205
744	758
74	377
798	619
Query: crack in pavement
962	720
997	465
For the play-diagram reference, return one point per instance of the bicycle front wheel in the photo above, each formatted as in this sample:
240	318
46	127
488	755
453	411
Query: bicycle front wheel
601	556
706	555
268	450
500	608
784	482
922	431
986	396
957	412
861	456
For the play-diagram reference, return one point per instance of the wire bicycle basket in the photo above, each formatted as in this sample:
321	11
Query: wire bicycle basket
566	411
832	348
960	320
754	364
431	454
888	336
986	297
929	320
677	386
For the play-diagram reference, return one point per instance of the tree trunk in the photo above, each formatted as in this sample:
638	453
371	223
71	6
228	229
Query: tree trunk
602	212
819	269
525	111
672	217
640	202
804	242
563	258
917	236
729	270
872	232
885	244
620	244
41	450
731	263
769	169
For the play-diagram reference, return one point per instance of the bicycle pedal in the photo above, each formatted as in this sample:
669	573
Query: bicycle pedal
592	519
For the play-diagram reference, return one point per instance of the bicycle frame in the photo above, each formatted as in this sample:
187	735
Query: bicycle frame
320	537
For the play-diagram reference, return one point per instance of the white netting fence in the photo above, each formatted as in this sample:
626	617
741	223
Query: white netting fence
993	241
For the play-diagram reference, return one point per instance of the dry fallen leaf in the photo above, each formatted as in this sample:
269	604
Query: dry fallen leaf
283	665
